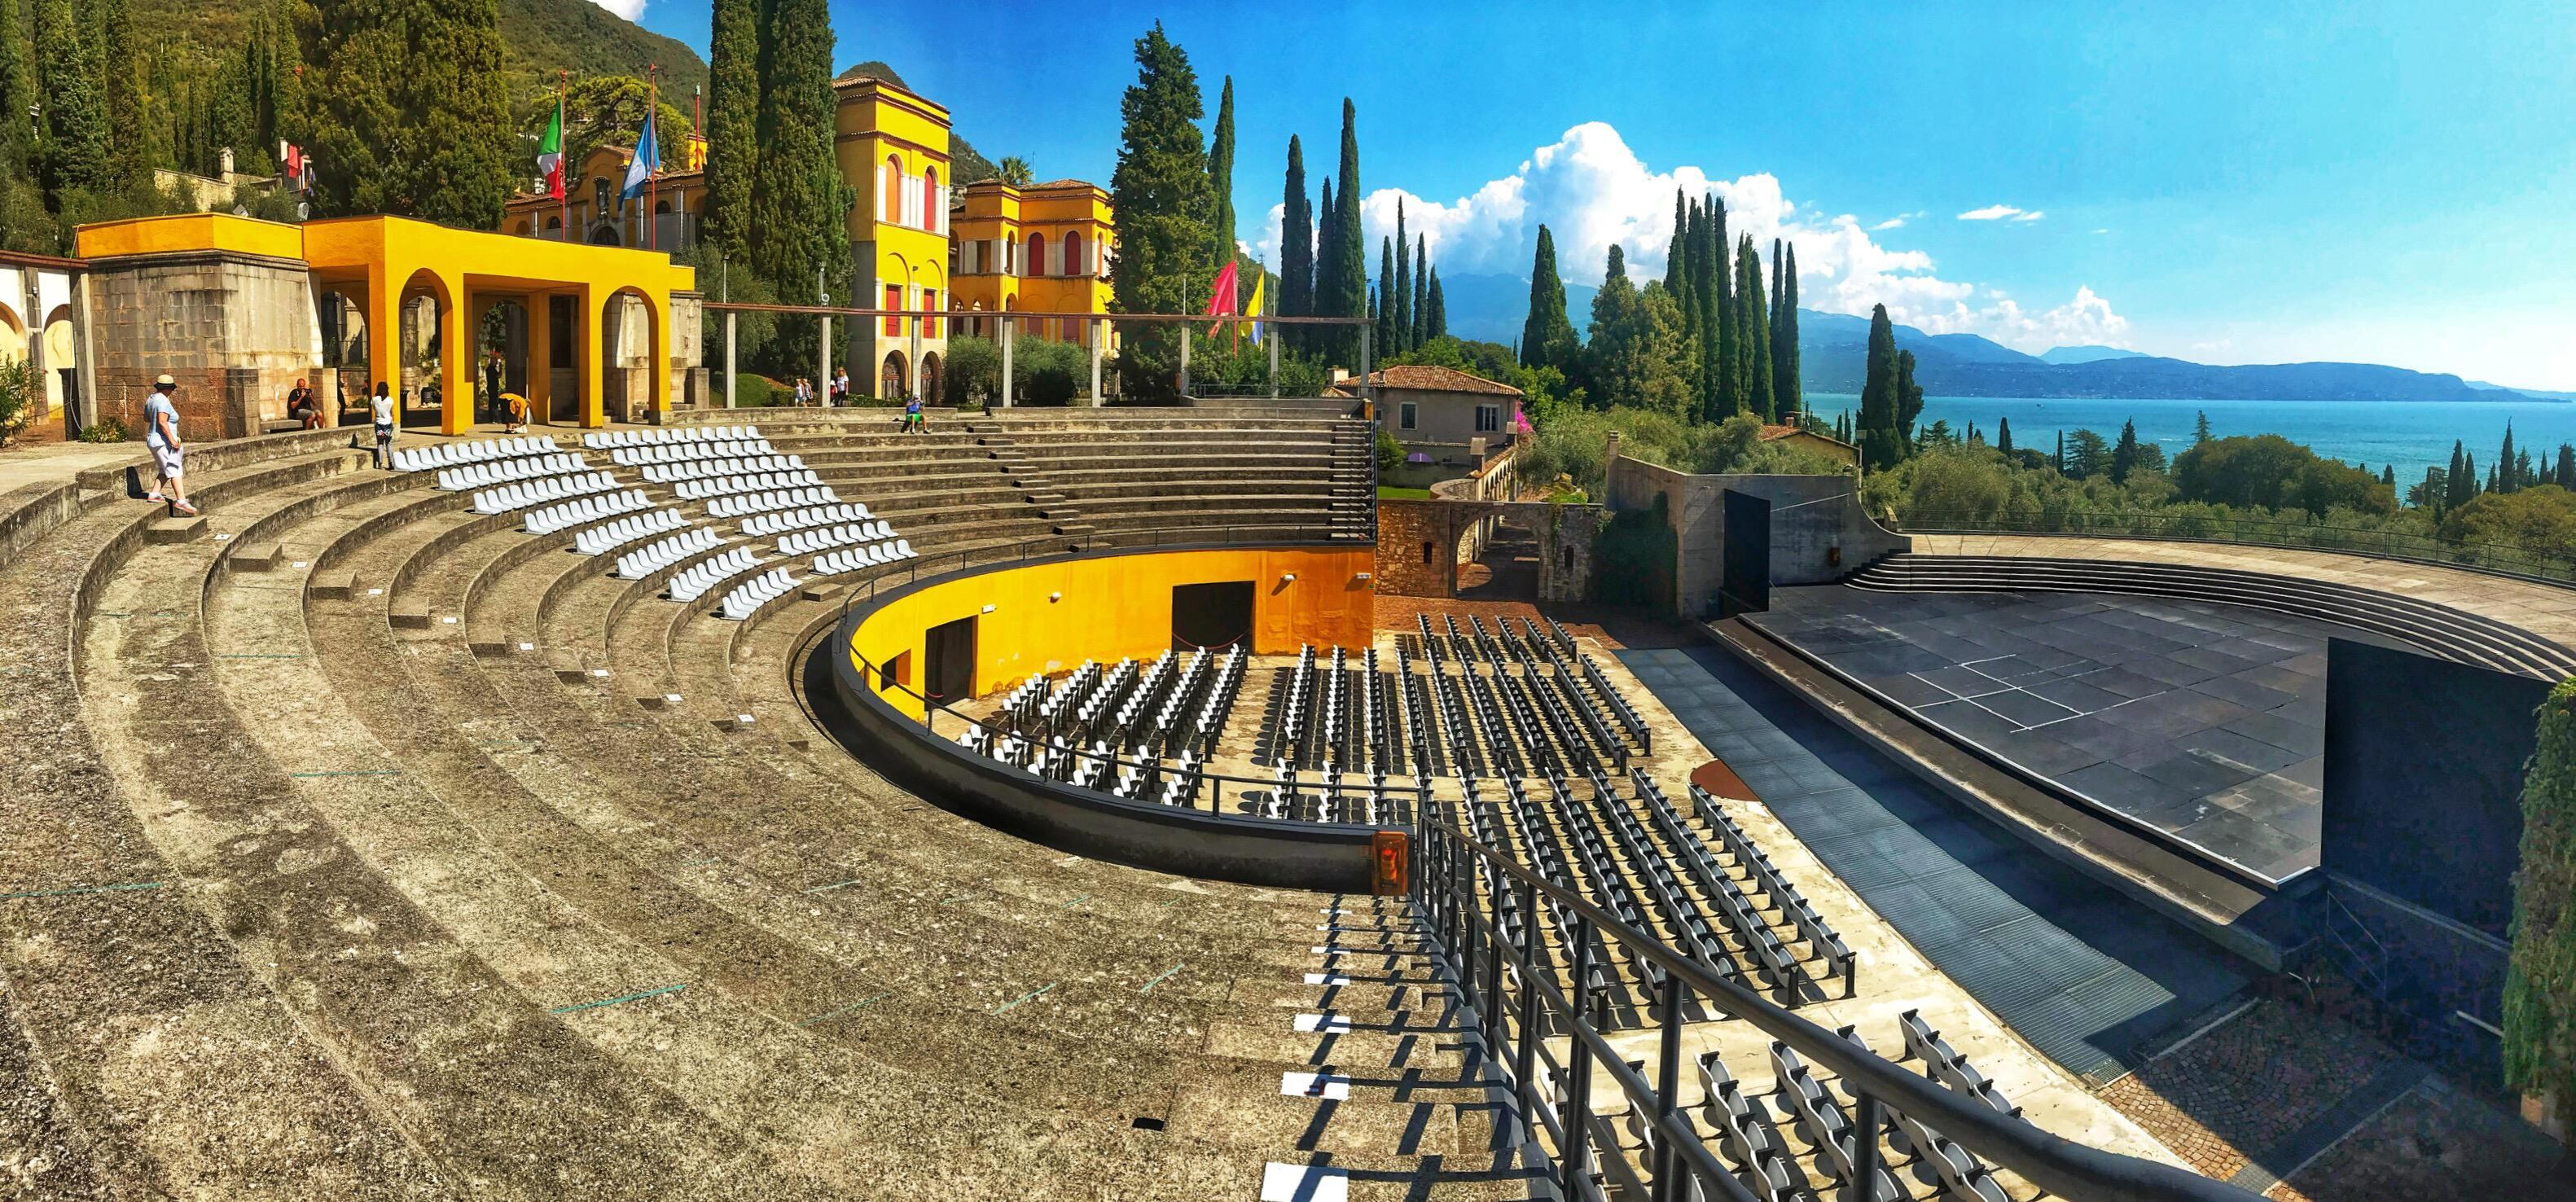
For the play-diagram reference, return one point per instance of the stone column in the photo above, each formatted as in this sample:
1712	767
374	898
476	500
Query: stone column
1099	338
1006	360
1185	360
823	357
729	359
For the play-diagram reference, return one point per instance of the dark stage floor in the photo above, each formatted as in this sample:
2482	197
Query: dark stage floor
2207	721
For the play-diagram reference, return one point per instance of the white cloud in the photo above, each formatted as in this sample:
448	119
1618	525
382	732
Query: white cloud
1591	191
1990	213
629	9
2033	215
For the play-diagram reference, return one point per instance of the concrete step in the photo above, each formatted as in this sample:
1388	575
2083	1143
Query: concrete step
164	531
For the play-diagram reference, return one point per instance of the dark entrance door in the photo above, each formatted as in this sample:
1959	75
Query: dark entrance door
948	662
1211	615
1745	585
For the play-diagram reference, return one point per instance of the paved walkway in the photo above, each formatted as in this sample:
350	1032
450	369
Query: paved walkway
2087	976
2544	610
54	462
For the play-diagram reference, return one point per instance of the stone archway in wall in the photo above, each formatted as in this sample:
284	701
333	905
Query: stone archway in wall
1418	544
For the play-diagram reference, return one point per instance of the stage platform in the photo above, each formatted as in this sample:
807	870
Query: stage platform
2204	721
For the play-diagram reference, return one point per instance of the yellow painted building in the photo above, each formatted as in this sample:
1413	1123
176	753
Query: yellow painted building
1043	248
665	219
893	148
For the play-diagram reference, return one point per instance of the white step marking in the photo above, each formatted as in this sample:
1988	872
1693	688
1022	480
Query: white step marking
1304	1183
1314	1085
1322	1023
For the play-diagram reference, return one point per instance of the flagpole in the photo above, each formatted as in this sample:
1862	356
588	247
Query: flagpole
563	183
652	171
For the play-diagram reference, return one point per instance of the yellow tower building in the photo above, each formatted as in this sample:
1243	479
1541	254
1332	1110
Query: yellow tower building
1043	248
893	148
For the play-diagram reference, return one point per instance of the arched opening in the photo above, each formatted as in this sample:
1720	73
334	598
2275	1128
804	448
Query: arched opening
340	319
890	191
630	334
554	225
501	358
422	351
1073	254
1037	255
605	235
890	378
933	383
661	208
521	228
931	209
1500	556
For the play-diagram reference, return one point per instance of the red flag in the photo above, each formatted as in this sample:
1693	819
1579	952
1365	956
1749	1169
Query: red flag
1222	300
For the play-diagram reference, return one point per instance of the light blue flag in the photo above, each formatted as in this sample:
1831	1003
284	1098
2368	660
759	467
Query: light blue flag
648	156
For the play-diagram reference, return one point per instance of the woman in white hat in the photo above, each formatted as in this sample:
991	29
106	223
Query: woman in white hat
161	434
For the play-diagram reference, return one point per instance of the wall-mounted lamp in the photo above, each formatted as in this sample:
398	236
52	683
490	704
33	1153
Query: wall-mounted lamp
990	608
1287	577
1364	578
1055	596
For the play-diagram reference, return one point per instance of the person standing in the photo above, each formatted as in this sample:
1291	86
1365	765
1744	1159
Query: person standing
161	434
840	386
381	408
496	376
804	391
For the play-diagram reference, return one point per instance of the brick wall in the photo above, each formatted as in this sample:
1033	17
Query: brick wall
1403	529
1409	533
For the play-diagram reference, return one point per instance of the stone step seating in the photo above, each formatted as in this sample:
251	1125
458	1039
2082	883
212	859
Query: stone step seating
2453	633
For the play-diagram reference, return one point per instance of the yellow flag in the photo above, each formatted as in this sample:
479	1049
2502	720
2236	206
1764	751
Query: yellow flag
1260	284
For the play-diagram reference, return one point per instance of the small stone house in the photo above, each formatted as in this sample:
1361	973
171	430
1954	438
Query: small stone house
1444	413
1808	440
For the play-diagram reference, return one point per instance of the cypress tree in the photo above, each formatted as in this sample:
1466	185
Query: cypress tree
2003	435
1328	258
121	79
1677	263
1221	177
1383	307
1436	325
17	89
2060	461
1421	332
1755	330
407	112
2566	465
2455	485
2504	461
1547	338
1717	326
2200	430
1788	394
1881	447
1400	302
2124	453
2388	476
1162	192
75	148
1350	269
1909	400
1296	239
2522	475
733	118
799	221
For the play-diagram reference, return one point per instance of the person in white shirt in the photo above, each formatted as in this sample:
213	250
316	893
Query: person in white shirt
382	409
161	434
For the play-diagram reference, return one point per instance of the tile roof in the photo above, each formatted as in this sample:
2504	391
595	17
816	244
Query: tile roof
1423	378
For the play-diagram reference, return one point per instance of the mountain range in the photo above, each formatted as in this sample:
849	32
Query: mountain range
1833	353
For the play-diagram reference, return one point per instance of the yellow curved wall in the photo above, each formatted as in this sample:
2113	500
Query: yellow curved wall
1117	606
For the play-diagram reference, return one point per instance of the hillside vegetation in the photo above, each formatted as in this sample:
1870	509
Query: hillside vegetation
539	38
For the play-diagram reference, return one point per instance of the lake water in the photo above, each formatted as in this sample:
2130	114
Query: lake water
2413	435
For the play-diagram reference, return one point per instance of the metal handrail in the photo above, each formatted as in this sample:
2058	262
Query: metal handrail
2498	559
1516	1027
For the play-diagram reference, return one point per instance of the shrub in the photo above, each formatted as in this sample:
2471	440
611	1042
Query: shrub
756	392
105	429
2540	978
20	398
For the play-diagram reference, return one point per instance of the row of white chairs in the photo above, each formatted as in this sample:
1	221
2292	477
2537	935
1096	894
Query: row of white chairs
675	434
480	450
747	597
833	563
694	581
708	469
585	511
774	499
762	525
603	539
646	560
512	497
725	486
826	537
680	452
505	471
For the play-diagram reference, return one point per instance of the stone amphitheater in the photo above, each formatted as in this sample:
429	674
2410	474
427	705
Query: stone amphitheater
360	842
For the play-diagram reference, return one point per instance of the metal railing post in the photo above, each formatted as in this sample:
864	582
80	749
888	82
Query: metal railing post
1865	1123
1668	1088
1528	1029
1578	1084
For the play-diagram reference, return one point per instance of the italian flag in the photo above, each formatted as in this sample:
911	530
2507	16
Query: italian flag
550	153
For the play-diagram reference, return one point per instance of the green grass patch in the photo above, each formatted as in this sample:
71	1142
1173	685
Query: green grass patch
1387	493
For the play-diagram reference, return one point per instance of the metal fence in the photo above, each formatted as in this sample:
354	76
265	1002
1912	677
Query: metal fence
2497	558
1483	909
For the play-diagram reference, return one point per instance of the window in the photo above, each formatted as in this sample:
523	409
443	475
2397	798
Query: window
1427	549
1036	264
930	300
930	206
893	300
897	673
1073	254
1404	416
1489	418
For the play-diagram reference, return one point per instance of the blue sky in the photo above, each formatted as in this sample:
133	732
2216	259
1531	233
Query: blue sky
2225	182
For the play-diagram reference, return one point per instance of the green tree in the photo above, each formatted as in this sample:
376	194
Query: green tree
2540	973
1390	453
1421	293
1755	325
2124	453
733	124
1350	252
1677	261
800	206
122	78
1638	347
1436	326
1163	196
2271	472
2003	435
2505	462
1296	241
75	151
1324	300
2460	481
1909	398
407	111
1788	393
2200	427
1399	318
605	110
1221	178
1382	301
2090	455
1547	338
17	88
1721	360
1882	446
1014	170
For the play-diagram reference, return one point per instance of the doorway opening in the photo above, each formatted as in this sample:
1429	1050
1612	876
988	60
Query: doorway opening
1211	615
948	662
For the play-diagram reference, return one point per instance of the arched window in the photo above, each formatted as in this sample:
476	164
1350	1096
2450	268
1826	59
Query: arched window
931	209
1073	254
889	185
1037	255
